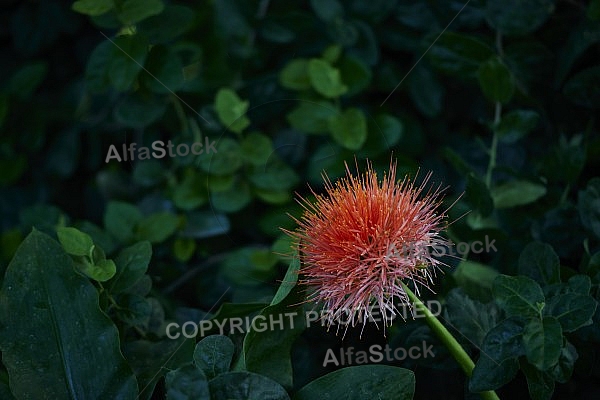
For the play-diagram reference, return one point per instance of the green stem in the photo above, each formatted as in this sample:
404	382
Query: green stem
493	147
455	349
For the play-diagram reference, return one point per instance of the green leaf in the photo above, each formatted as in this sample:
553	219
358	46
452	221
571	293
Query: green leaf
120	219
476	279
275	175
490	375
165	70
349	128
100	271
184	249
588	203
517	193
496	80
539	262
231	200
93	7
295	75
516	125
459	54
382	382
157	227
562	371
174	21
185	383
505	340
256	148
572	310
517	18
539	383
311	116
74	241
478	195
426	91
134	11
190	193
46	302
472	318
518	295
584	88
245	385
327	10
225	161
543	341
135	111
231	110
128	56
355	74
151	360
325	78
132	264
205	224
213	355
27	79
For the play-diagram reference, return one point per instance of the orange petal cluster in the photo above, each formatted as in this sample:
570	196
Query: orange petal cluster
362	239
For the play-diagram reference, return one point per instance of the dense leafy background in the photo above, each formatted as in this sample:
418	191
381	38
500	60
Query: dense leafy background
98	257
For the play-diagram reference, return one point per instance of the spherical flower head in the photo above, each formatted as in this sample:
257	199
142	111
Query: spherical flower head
363	239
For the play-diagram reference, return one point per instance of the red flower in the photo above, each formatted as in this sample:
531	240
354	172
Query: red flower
360	241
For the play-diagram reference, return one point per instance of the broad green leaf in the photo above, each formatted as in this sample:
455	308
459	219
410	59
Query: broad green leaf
562	371
459	54
355	74
157	227
54	336
349	128
185	383
273	196
152	360
517	193
518	295
426	90
136	111
325	78
231	200
295	75
539	383
120	219
225	161
174	21
382	382
213	355
476	279
267	349
134	11
190	193
128	56
539	262
96	70
543	341
205	224
472	318
132	264
588	203
327	10
184	249
311	116
231	110
496	80
27	79
74	241
584	88
490	375
478	195
256	148
100	271
165	70
275	175
245	385
572	310
517	18
580	284
505	340
93	7
516	125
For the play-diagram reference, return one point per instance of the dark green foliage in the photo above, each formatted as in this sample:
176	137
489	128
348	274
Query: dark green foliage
108	249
